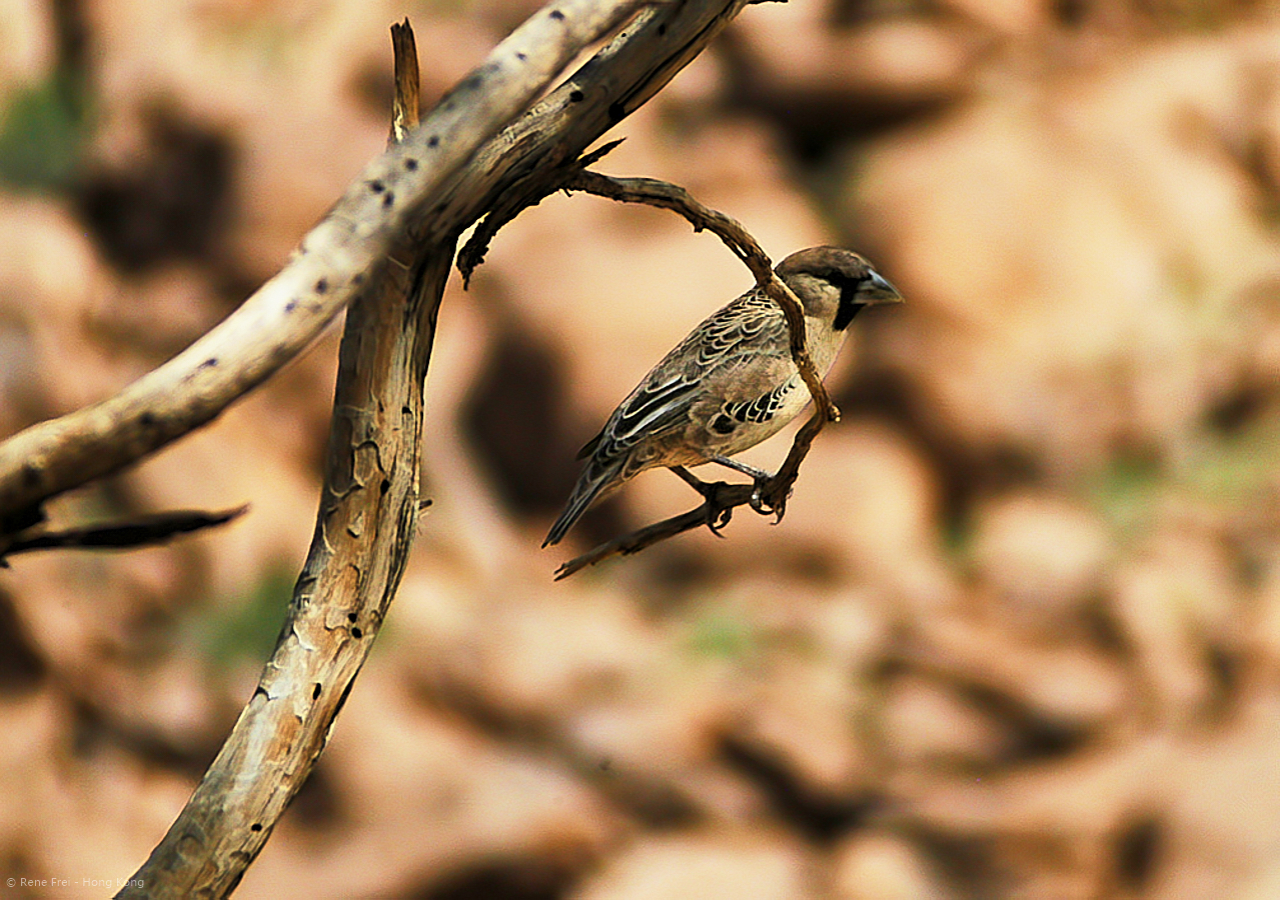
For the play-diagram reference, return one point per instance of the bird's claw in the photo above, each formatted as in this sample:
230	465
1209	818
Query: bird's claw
718	518
764	501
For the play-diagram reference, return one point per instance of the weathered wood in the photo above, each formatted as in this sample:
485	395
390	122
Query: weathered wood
332	265
389	243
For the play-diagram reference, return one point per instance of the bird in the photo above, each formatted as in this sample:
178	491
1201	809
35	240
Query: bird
731	383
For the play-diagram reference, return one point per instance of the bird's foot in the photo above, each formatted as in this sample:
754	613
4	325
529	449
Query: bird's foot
759	493
770	496
763	494
717	518
718	514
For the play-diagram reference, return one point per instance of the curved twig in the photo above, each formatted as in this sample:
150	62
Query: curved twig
722	497
665	195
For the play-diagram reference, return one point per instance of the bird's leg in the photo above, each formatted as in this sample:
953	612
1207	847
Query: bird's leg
760	476
702	487
757	474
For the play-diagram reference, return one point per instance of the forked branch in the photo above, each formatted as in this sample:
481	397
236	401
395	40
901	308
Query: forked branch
387	246
398	192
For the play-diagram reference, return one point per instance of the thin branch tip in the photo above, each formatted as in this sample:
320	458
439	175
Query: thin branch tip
144	531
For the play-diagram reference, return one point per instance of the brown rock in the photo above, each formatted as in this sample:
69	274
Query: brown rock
878	866
710	866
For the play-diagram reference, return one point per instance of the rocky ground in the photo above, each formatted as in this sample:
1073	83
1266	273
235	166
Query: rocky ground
1018	637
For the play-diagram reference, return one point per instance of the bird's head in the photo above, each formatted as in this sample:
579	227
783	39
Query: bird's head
834	284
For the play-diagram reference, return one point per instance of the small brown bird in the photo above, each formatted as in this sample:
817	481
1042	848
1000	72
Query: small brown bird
731	383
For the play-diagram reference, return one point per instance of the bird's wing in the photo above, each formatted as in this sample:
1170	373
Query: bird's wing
651	409
748	326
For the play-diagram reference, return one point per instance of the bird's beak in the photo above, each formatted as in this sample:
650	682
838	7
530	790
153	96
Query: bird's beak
877	289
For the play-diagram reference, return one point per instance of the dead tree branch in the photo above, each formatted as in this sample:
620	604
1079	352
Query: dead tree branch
368	514
720	498
387	247
333	264
143	531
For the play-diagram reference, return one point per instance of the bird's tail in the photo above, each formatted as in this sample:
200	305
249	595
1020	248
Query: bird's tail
593	480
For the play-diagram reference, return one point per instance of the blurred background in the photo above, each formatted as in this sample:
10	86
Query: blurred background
1019	634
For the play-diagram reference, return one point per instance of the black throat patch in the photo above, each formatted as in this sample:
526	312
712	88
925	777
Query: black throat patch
848	307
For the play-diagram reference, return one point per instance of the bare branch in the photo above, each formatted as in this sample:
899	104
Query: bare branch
715	512
369	507
331	267
366	522
404	108
140	532
664	195
720	497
